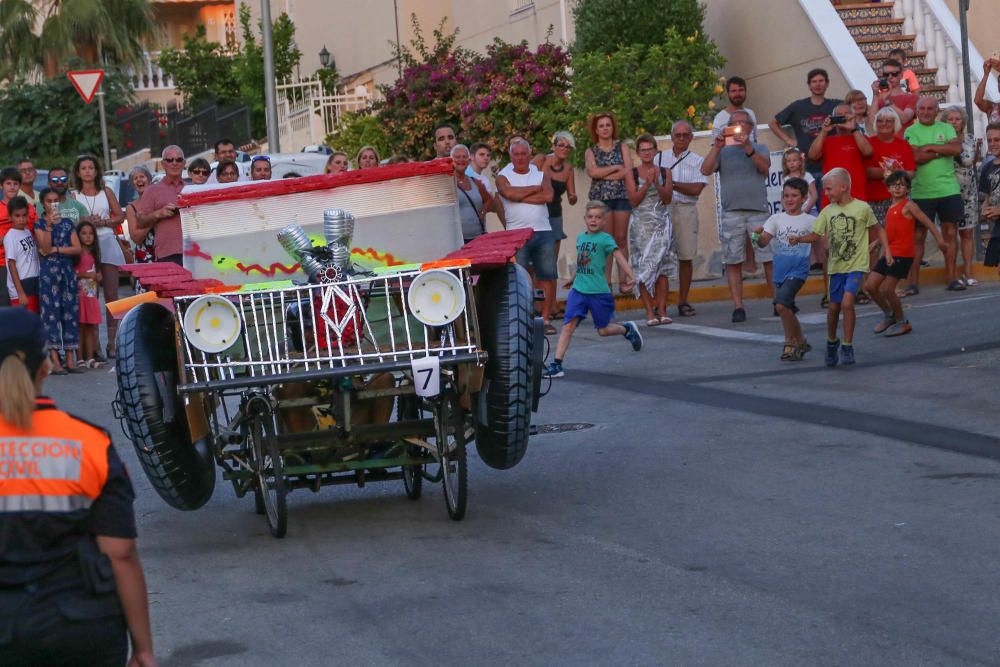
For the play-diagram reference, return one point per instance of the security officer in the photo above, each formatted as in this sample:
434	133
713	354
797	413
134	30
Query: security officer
71	583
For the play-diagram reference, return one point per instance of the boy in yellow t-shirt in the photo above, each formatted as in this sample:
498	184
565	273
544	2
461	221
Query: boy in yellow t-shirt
845	223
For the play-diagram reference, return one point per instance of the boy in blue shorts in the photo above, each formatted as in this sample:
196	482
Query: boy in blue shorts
590	291
845	223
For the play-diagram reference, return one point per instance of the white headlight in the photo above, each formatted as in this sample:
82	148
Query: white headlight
436	297
212	324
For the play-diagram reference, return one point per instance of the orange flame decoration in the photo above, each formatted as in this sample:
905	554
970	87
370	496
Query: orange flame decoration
367	258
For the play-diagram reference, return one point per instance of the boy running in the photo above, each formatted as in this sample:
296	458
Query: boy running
844	223
791	263
590	291
895	263
21	257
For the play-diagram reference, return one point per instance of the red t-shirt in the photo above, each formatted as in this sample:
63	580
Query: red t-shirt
5	227
169	239
840	150
897	149
905	101
899	229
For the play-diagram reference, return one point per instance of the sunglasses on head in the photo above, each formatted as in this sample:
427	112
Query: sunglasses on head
173	160
58	179
258	158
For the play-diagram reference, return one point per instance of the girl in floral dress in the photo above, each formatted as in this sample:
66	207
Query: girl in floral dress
58	246
88	278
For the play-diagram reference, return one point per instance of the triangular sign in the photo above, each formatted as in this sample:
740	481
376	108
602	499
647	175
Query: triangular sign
87	82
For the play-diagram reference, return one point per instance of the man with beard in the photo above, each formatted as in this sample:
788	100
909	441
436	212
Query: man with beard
736	91
68	207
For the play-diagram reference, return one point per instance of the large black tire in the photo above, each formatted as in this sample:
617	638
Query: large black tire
505	402
181	472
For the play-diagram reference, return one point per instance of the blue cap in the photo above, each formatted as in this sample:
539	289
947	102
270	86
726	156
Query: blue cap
22	333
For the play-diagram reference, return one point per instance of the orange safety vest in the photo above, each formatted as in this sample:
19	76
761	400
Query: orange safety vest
59	465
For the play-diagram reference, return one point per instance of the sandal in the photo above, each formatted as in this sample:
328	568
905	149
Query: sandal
550	330
58	371
665	320
653	322
909	290
74	370
805	347
955	286
824	302
110	351
685	310
791	352
94	363
863	298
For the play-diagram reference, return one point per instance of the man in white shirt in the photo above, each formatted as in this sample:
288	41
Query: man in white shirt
525	192
736	91
685	168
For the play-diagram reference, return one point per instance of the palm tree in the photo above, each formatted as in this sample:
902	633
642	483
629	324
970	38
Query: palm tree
97	31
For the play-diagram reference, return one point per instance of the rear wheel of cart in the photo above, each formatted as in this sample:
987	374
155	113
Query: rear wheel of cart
269	470
413	475
451	449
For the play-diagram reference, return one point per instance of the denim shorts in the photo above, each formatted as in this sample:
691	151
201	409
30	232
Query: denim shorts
557	228
618	204
540	252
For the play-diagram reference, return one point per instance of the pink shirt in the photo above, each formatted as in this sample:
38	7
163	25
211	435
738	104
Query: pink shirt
169	238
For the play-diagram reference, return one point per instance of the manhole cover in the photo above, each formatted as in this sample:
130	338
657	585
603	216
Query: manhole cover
539	429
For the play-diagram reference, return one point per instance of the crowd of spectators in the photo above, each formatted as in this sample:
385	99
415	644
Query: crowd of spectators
61	250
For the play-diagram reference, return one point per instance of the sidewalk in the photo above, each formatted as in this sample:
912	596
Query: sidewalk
716	289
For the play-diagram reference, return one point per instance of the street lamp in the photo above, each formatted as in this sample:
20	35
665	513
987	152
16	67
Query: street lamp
325	59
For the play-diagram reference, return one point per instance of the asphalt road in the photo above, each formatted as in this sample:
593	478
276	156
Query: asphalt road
725	508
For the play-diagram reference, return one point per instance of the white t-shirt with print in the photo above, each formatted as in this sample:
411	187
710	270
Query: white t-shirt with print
19	245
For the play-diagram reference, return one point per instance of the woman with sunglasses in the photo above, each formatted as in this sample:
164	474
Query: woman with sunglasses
260	168
144	240
556	165
227	171
199	171
106	215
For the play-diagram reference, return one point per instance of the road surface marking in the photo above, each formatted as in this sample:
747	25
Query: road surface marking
715	332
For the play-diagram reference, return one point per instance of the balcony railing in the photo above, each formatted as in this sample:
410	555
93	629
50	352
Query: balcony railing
150	75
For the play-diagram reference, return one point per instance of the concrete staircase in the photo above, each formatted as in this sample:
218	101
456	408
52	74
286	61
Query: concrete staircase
876	32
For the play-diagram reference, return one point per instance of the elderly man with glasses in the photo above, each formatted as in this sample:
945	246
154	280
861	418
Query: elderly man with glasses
157	208
685	168
888	93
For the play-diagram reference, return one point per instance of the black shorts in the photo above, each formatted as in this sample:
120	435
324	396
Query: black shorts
900	267
784	293
950	209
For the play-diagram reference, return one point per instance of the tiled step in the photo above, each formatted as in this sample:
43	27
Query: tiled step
879	47
915	60
881	28
865	10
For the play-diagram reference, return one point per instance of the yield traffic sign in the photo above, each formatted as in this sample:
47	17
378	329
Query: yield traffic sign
86	82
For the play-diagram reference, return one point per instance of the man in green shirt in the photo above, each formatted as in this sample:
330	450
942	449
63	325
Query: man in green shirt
68	207
935	187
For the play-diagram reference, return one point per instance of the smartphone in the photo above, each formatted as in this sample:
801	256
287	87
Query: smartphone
733	135
883	83
838	120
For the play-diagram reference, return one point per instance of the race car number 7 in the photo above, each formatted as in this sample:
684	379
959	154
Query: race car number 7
426	376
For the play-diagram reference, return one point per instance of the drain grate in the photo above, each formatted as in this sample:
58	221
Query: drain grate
540	429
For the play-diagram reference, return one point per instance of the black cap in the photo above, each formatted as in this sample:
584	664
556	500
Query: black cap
22	333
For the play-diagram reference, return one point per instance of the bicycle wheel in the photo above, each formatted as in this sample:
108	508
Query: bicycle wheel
268	466
454	461
413	475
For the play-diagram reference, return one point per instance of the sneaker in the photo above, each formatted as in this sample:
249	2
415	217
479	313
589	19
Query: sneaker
886	322
831	352
847	354
739	315
633	336
554	370
970	282
899	329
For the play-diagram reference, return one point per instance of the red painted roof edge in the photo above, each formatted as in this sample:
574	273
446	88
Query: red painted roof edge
287	186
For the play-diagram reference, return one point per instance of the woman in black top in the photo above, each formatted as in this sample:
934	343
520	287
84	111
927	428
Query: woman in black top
560	171
72	588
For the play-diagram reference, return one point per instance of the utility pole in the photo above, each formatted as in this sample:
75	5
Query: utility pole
963	11
270	95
